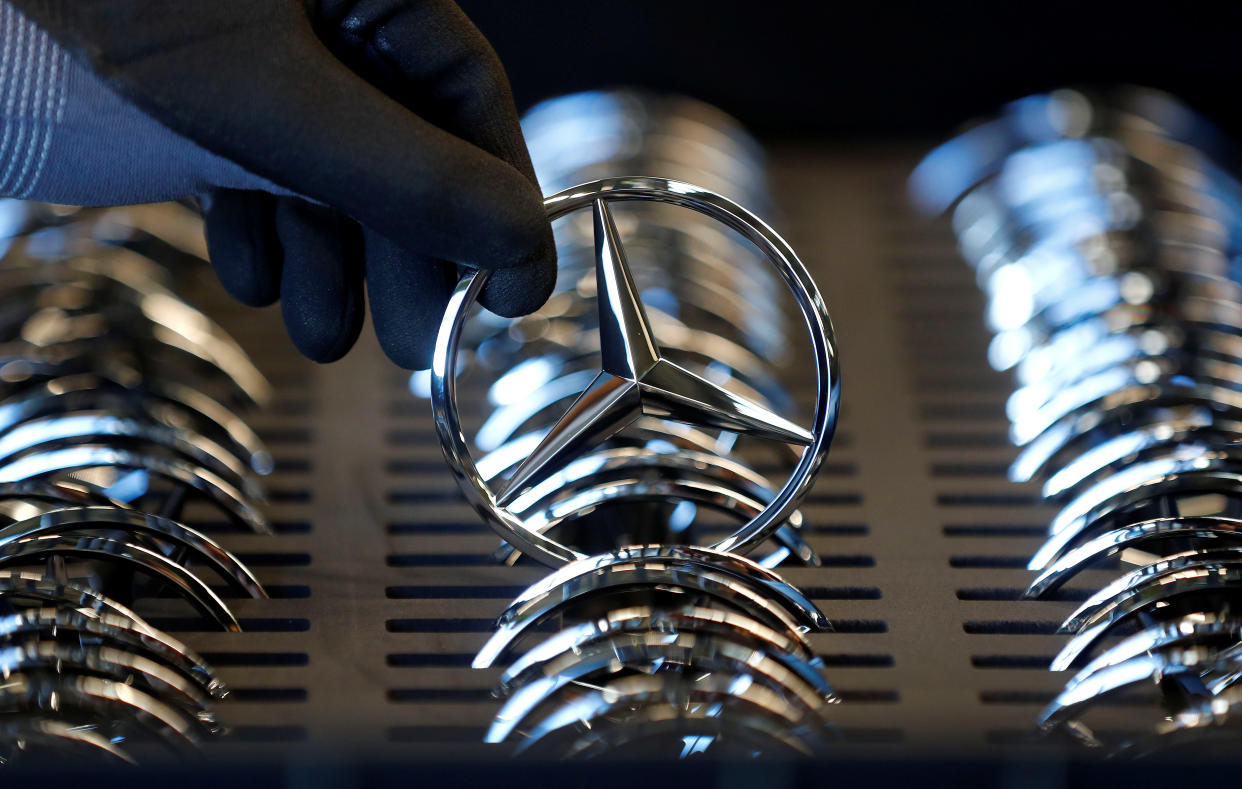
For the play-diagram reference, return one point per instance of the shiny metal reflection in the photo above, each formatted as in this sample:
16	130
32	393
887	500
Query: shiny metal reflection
119	402
1105	235
613	425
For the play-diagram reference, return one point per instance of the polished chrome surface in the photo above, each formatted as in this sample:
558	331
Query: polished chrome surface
387	571
619	409
636	380
705	639
80	668
1105	236
655	387
706	303
117	410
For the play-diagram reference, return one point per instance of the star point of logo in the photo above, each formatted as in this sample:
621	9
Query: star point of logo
635	380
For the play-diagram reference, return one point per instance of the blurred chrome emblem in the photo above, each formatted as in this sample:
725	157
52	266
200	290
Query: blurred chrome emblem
1105	229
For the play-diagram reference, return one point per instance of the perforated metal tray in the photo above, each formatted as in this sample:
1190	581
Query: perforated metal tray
384	585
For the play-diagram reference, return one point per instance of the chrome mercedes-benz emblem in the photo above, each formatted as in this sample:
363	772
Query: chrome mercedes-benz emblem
635	379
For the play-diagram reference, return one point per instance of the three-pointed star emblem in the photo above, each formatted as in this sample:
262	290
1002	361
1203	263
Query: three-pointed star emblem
636	381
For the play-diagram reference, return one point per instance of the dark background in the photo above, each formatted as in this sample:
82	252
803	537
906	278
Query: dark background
866	69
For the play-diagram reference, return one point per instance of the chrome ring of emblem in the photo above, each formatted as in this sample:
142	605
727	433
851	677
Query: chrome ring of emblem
628	329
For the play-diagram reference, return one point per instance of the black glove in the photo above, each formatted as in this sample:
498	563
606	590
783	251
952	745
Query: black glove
381	135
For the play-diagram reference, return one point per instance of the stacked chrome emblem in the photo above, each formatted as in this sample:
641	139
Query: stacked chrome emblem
659	647
113	417
616	424
1105	234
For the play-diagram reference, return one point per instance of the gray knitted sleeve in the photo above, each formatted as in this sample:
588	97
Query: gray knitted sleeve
65	137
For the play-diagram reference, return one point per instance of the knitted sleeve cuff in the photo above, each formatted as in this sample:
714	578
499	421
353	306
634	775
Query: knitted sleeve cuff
65	137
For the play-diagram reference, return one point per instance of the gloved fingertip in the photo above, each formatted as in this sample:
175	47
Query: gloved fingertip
514	292
515	231
408	296
323	337
321	296
242	245
410	353
411	343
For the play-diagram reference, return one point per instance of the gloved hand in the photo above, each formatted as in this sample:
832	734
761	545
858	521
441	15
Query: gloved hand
331	140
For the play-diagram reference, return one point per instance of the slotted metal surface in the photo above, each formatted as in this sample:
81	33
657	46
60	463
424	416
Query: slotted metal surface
384	585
